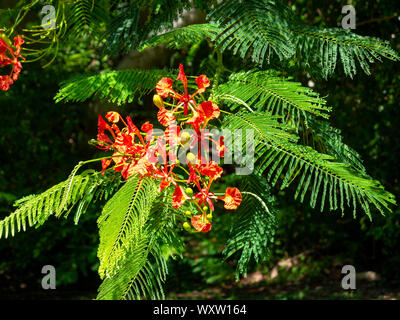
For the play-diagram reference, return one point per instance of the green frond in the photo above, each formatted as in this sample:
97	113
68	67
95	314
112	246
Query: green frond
121	222
127	32
143	271
138	275
253	228
267	91
117	87
323	48
183	36
255	27
85	16
320	174
35	209
327	139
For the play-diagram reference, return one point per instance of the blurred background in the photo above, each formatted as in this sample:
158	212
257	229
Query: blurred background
41	141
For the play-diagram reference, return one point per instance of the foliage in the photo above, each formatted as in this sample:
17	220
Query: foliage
293	144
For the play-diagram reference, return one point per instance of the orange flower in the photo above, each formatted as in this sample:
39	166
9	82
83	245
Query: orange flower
165	117
164	87
178	197
105	163
147	127
101	136
18	42
200	223
113	116
221	149
9	56
232	198
208	110
141	167
211	169
172	135
203	83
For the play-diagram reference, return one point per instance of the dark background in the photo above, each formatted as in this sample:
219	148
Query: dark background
40	142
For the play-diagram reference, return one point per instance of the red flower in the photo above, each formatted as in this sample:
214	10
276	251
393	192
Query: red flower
211	169
164	183
10	57
113	116
147	127
101	136
182	77
178	197
18	42
193	177
142	167
195	121
200	223
164	87
203	83
172	135
105	163
165	117
5	82
204	197
221	149
208	110
232	198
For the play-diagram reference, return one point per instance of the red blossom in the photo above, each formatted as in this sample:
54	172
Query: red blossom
200	223
210	169
157	157
9	56
165	117
164	87
147	127
178	197
232	198
208	110
113	116
203	83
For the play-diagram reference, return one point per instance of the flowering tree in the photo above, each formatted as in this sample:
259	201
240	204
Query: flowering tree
158	180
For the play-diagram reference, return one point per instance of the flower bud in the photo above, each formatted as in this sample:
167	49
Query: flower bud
209	216
186	226
188	213
158	101
205	208
191	157
189	191
185	137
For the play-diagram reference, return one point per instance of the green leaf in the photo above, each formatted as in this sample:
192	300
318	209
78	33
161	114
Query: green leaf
183	36
253	228
320	174
121	222
114	86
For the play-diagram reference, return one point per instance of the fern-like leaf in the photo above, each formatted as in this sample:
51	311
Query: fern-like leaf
253	228
115	86
183	36
61	198
253	26
320	174
321	49
267	91
122	222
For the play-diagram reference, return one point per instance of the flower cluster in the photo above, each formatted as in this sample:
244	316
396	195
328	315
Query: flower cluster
9	56
176	155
